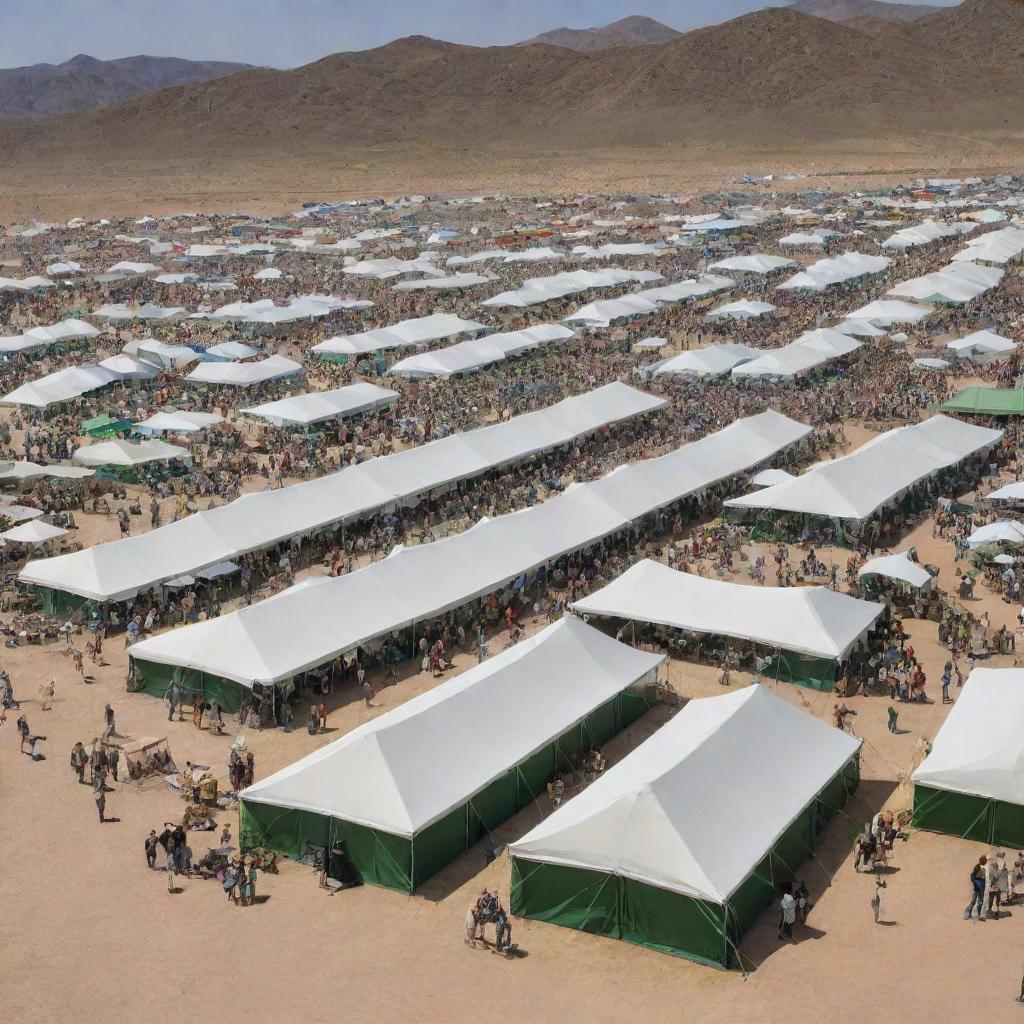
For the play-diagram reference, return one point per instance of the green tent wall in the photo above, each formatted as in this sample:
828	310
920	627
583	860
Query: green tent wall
403	863
969	817
685	926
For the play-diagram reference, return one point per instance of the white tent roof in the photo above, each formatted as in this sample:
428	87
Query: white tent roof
859	329
807	620
604	311
30	470
147	311
233	350
303	628
980	748
695	808
603	252
836	269
809	351
182	422
383	269
857	485
33	532
924	233
932	364
245	374
950	285
24	284
129	267
420	331
703	362
536	290
160	353
804	238
454	282
983	343
66	268
768	477
20	513
898	567
756	263
22	343
61	386
126	367
1010	492
478	352
744	309
1006	531
128	453
122	568
1002	246
890	311
320	406
66	330
407	768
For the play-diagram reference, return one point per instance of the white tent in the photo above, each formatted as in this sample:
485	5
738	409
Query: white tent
833	270
66	268
770	477
306	627
408	333
537	290
19	513
807	620
21	343
711	361
983	346
32	533
815	238
890	311
859	329
808	352
126	367
66	330
478	352
1003	246
857	485
147	311
1006	531
245	374
407	768
128	453
955	284
979	750
454	282
31	470
383	269
130	268
900	567
13	284
183	422
927	363
161	354
608	249
755	263
744	309
695	808
236	350
605	311
321	406
1010	492
61	386
123	568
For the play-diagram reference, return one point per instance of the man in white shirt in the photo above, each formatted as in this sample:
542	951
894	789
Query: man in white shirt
787	914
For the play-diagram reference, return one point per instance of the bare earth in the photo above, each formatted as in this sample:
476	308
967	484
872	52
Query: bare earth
86	924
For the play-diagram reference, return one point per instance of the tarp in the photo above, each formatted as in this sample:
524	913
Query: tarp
420	331
900	567
128	453
320	406
306	627
245	374
857	485
986	401
806	620
60	386
406	769
467	356
695	808
122	568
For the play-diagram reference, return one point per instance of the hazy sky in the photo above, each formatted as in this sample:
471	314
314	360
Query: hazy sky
286	33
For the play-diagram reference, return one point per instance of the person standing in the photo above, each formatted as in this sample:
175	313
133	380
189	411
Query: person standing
79	759
947	679
977	891
787	913
23	731
113	758
101	803
321	712
151	843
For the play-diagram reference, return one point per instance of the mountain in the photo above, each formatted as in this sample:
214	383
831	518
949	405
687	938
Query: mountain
985	31
846	10
84	83
636	30
775	89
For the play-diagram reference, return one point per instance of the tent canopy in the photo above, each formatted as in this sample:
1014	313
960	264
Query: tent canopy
808	352
899	567
755	263
320	406
183	422
33	532
407	768
696	807
128	453
305	627
711	361
807	620
979	749
986	401
406	334
60	386
119	569
245	374
857	485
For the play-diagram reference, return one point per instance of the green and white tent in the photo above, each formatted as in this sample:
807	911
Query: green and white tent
413	789
682	844
972	783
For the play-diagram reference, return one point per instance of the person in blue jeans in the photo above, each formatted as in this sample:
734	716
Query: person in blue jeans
977	891
947	678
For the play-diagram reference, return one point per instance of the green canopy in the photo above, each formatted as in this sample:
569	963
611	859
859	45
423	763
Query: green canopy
986	402
104	426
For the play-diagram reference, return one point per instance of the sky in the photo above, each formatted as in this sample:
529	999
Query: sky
287	33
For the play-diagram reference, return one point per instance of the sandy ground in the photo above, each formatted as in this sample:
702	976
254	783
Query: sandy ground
87	926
